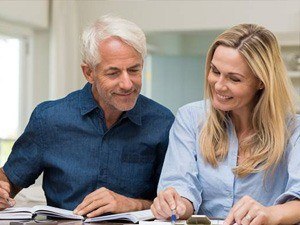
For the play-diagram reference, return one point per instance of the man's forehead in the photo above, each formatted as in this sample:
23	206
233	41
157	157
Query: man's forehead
114	43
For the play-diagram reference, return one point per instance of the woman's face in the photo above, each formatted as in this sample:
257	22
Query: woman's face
232	83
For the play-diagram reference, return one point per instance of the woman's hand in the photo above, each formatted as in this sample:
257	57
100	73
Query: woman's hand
169	200
248	211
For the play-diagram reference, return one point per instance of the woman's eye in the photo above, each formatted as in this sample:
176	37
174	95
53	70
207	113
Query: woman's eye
215	71
235	79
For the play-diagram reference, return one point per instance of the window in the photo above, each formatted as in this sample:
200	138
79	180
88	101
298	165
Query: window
9	94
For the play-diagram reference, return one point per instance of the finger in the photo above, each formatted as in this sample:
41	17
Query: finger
3	206
230	219
241	213
155	212
7	203
100	211
101	191
165	208
10	202
91	207
89	199
257	221
246	219
5	185
169	197
4	194
159	210
180	206
6	200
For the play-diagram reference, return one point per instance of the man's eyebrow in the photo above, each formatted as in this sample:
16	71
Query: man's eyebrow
116	68
111	68
135	66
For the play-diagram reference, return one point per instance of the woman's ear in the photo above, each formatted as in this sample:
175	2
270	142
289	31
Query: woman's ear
261	86
87	72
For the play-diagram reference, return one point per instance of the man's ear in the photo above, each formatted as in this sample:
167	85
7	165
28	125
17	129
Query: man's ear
87	72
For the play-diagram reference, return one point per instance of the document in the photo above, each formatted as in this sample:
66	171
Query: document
178	222
29	213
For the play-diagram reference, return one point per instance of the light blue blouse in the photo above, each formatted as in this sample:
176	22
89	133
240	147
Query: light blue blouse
213	191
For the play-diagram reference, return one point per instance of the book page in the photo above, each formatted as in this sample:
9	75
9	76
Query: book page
16	213
55	212
130	216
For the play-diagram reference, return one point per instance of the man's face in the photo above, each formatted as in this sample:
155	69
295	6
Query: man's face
117	80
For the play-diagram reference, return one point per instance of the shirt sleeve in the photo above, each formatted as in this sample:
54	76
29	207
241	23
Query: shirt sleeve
180	166
24	163
292	190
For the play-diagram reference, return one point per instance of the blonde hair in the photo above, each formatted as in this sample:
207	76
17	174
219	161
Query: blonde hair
274	103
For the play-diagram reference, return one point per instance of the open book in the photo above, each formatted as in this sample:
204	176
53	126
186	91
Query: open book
29	213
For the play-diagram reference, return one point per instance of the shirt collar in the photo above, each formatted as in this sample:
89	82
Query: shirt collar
88	104
87	101
135	113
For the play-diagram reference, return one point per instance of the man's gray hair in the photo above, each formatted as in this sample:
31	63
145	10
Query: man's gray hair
108	26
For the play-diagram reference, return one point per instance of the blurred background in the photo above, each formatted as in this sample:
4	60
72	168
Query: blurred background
40	51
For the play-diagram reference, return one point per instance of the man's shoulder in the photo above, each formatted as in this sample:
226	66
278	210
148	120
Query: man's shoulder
151	107
59	106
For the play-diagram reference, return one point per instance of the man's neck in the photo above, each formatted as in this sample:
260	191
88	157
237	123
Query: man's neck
111	117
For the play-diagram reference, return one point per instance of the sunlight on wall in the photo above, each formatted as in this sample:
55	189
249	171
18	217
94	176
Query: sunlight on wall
9	87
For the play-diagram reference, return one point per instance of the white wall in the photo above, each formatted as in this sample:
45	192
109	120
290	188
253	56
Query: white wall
278	16
30	12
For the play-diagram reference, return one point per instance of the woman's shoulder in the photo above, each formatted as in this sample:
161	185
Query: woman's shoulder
195	108
194	112
293	126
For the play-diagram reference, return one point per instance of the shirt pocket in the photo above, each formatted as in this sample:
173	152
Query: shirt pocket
139	163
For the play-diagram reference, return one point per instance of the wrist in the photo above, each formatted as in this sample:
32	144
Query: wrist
139	204
276	215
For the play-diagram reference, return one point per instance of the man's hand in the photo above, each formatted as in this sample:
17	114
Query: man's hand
5	192
106	201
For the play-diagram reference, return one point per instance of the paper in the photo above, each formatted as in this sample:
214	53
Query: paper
160	222
154	223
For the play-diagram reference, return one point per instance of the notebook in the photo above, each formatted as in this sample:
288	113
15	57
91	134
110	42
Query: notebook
29	213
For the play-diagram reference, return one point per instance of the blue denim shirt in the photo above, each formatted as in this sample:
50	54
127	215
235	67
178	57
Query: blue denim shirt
67	139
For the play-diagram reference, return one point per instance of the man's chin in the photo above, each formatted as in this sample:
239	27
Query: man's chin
125	106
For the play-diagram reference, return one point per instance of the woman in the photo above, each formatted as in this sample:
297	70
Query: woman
237	155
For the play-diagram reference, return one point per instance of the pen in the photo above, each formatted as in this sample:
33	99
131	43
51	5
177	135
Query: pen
9	202
173	217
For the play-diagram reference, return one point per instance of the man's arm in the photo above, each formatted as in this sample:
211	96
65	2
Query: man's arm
7	191
106	201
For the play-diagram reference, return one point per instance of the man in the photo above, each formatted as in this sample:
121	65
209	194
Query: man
101	148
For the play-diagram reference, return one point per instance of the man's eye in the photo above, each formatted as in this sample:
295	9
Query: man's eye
134	70
112	74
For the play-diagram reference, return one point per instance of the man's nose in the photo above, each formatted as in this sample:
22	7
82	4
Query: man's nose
125	82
